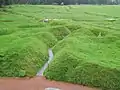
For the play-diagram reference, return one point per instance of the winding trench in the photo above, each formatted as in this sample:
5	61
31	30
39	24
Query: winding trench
42	70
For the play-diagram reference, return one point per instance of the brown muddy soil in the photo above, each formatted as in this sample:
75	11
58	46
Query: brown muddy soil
37	83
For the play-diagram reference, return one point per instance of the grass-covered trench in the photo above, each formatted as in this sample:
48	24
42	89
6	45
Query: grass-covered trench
85	41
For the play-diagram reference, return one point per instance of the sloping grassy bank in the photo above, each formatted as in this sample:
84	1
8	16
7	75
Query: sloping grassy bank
84	58
23	57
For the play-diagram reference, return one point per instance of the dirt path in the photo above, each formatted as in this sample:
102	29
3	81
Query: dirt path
37	83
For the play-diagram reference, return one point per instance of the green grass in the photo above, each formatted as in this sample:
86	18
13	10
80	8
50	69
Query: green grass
81	55
85	59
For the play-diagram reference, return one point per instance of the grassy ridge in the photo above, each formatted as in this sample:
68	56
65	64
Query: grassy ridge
77	70
88	59
23	58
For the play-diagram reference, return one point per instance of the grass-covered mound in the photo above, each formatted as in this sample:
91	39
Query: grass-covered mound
76	70
23	57
84	58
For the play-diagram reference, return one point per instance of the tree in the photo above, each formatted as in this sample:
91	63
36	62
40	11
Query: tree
4	2
1	3
66	2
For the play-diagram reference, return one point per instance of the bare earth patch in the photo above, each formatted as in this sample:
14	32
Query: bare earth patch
37	83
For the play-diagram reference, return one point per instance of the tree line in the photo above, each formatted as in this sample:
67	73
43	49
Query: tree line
66	2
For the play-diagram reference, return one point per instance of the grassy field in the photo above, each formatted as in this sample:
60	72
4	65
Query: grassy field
85	41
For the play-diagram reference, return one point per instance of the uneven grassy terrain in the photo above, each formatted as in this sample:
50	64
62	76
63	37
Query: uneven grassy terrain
85	41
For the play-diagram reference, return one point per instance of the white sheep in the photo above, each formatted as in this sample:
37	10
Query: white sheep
46	20
62	3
